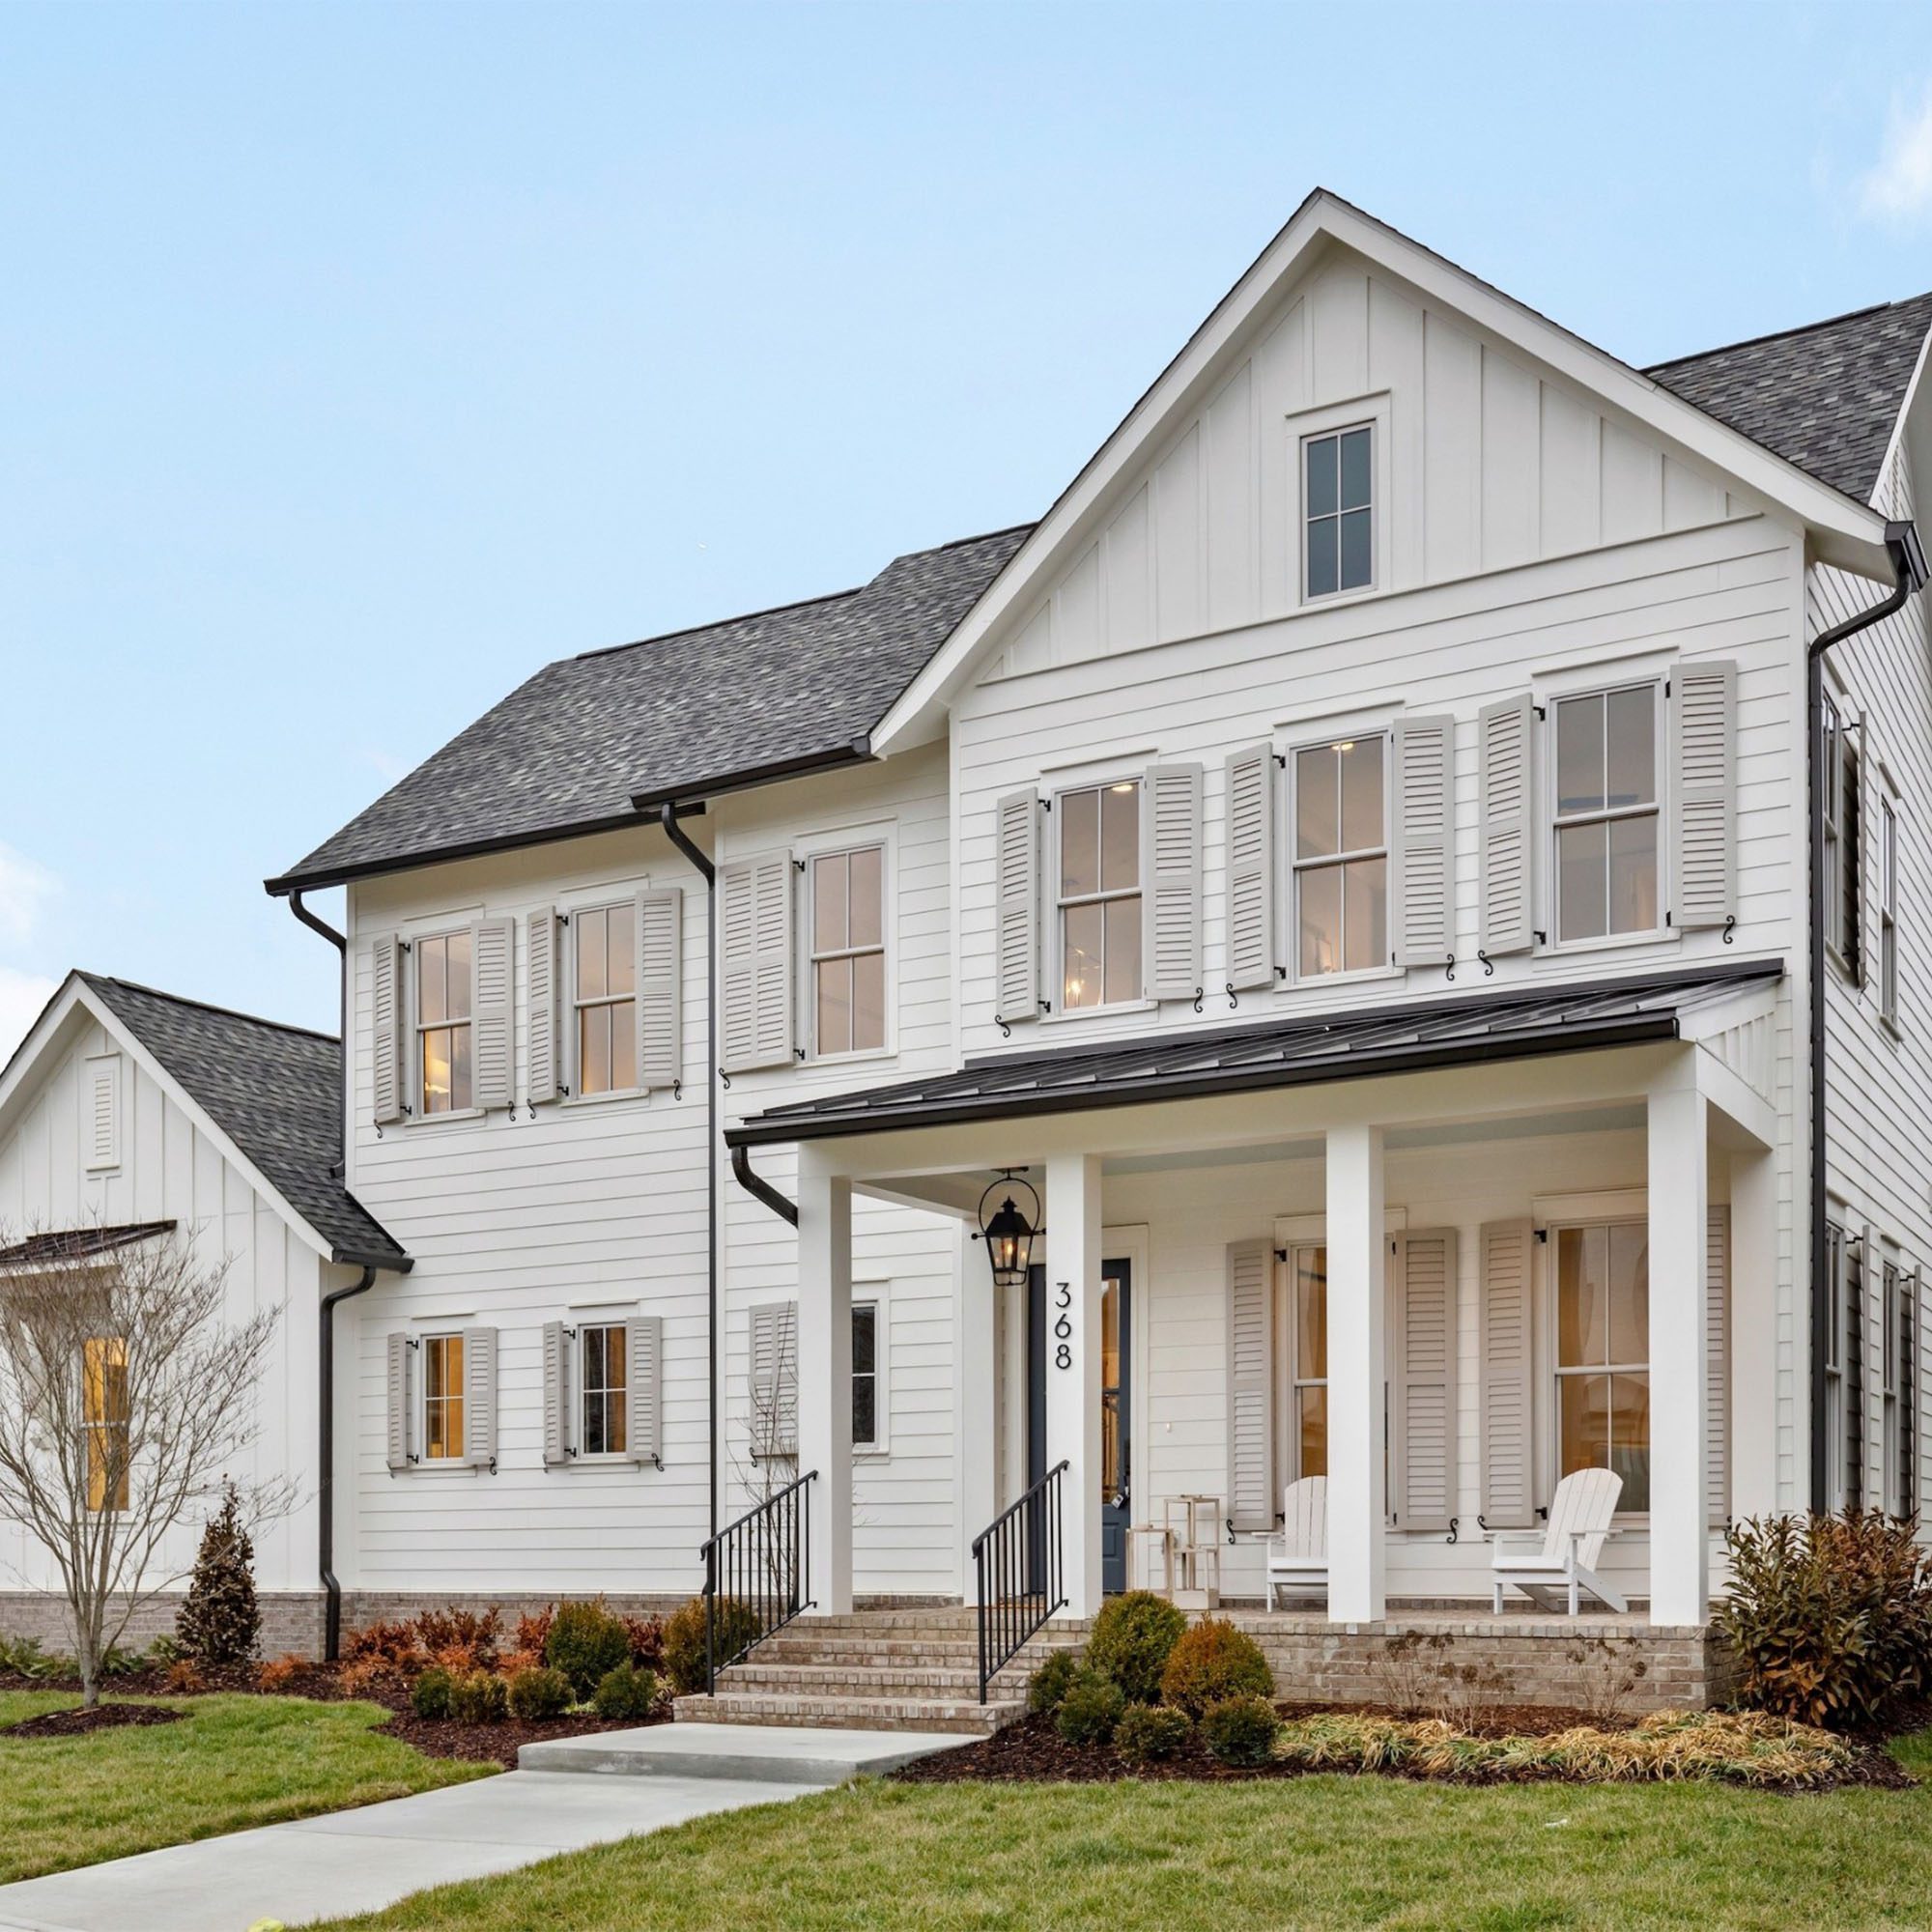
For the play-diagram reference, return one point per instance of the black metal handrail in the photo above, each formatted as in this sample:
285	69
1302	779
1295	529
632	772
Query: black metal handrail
1021	1568
761	1563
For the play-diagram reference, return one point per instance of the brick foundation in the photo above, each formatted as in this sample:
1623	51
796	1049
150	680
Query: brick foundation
290	1620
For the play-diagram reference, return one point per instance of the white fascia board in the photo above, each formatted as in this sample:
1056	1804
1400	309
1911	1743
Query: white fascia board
16	1084
1897	434
1840	530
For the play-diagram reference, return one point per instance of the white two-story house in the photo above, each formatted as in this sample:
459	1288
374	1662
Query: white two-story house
1346	874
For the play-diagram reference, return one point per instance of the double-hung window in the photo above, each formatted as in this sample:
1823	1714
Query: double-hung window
1338	510
1888	1359
442	1398
603	1403
104	1419
848	952
1341	856
1842	829
1304	1332
868	1421
1888	913
1602	1354
1835	1364
604	999
443	990
1607	818
1099	895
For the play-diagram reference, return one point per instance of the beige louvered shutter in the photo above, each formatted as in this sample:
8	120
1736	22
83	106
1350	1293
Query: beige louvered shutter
659	987
103	1126
388	1025
756	929
1422	1492
1704	789
479	1397
644	1337
397	1348
1251	861
556	1430
775	1380
1717	1368
1506	804
1252	1501
1170	839
542	1080
1425	840
1016	908
1508	1376
492	1007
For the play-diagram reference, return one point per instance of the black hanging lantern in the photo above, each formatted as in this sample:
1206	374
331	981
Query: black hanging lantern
1009	1233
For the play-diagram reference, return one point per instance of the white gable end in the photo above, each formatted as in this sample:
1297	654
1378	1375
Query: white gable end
1482	463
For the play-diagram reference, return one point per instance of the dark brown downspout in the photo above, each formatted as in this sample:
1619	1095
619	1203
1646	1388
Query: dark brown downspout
1908	564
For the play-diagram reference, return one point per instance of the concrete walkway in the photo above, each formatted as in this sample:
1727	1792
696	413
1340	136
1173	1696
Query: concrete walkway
359	1860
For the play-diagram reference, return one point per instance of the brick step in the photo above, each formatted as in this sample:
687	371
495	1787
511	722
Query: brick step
811	1647
846	1680
857	1713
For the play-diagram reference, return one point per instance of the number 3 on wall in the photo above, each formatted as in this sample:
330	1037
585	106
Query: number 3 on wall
1063	1328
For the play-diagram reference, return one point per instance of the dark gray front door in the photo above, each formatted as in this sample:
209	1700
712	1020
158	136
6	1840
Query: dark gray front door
1116	1407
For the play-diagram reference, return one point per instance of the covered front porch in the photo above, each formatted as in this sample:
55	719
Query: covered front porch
1439	1259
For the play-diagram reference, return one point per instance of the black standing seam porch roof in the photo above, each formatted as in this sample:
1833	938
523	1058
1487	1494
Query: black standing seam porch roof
1513	1023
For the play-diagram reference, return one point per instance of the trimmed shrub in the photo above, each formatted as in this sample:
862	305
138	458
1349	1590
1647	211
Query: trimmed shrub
220	1622
1091	1709
1212	1662
629	1693
430	1693
480	1698
1147	1733
683	1640
1829	1617
1133	1638
282	1671
184	1677
1052	1680
646	1634
540	1693
461	1641
586	1641
1241	1730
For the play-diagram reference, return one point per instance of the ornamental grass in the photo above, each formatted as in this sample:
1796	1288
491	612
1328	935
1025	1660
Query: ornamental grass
1732	1747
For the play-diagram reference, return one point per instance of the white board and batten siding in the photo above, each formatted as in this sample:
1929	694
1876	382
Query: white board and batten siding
97	1137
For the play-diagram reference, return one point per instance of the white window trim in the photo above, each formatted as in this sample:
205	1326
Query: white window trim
1055	948
1370	410
1547	694
1886	975
578	1327
438	925
1837	1241
1849	726
872	1296
884	834
1287	942
1547	1214
436	1331
1891	1296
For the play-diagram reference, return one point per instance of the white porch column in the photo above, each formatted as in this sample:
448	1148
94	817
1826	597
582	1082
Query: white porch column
1073	1378
825	1373
1754	1333
1357	1301
975	1299
1679	1517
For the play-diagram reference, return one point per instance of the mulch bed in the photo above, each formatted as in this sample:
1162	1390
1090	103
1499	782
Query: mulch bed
1033	1751
433	1737
77	1724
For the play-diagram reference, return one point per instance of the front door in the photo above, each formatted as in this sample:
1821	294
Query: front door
1116	1407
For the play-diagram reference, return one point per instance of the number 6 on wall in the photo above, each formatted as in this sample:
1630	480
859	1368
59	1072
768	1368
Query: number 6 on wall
1063	1328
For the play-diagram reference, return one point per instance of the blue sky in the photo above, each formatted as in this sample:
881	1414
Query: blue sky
356	360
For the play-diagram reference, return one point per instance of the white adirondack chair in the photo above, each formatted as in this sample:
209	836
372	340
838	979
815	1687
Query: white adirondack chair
1298	1554
1560	1560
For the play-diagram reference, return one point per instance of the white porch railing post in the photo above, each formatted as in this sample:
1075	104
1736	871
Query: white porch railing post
1679	1193
1073	1366
1357	1274
825	1374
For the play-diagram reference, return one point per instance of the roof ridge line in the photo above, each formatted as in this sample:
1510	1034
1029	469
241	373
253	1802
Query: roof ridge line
205	1005
1781	334
719	623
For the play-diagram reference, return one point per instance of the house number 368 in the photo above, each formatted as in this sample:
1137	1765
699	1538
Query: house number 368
1063	1328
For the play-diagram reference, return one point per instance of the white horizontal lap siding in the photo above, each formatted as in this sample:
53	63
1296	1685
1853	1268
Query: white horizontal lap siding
1731	592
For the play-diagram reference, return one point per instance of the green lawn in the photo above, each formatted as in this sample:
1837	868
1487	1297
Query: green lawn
1321	1852
231	1762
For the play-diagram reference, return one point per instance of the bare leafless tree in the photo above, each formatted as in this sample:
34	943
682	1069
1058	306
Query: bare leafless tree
124	1394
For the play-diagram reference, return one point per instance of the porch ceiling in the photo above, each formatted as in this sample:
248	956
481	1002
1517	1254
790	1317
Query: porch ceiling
1515	1023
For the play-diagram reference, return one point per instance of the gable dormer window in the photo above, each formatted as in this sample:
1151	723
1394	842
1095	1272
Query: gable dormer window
444	1061
1338	510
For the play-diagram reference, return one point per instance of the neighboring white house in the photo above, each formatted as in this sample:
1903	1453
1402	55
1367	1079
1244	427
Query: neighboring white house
1351	853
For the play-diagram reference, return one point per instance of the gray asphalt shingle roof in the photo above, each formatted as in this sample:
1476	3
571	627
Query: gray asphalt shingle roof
566	752
1823	397
275	1090
1516	1023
